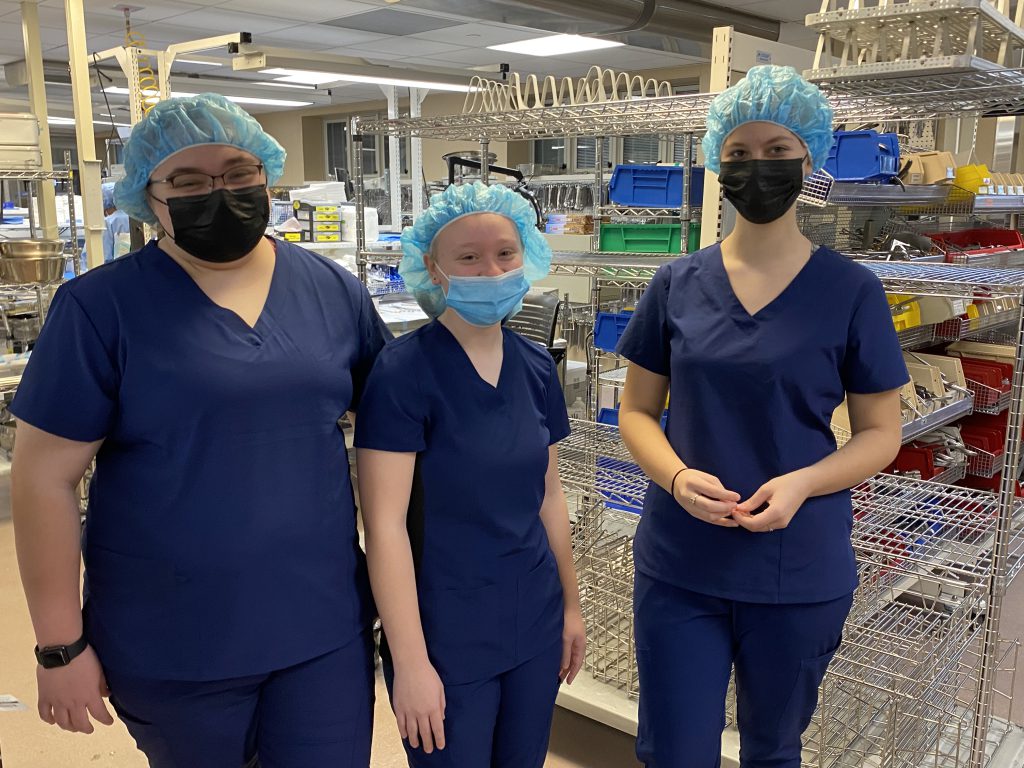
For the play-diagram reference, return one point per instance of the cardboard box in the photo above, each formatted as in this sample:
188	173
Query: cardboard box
930	168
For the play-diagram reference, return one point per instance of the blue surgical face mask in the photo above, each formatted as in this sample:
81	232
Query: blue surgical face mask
486	300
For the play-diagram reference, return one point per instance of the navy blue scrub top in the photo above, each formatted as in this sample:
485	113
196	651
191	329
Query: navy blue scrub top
221	537
751	398
488	586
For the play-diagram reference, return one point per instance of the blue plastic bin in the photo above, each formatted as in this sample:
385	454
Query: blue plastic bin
608	329
864	156
654	186
610	416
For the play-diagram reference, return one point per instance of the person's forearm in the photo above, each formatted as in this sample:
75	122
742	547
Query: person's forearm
393	580
643	436
867	453
48	536
555	516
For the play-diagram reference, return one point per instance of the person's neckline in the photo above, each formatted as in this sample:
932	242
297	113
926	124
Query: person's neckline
776	300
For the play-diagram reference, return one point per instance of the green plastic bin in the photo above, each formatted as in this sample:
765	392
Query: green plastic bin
647	238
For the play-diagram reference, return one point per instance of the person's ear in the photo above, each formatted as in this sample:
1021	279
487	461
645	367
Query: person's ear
431	267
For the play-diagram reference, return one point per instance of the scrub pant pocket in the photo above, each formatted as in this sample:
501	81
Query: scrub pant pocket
311	715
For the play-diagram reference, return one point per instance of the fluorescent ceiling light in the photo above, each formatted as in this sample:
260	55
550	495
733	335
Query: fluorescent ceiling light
287	85
555	45
196	61
236	99
309	77
56	120
300	76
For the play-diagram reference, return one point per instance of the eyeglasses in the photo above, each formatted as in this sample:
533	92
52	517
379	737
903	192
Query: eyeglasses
239	177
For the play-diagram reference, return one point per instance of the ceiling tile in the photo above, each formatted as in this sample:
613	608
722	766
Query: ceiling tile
320	35
391	21
308	10
407	45
480	35
146	11
216	21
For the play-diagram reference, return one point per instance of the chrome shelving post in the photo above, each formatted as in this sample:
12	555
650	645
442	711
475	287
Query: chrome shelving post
357	167
485	163
684	210
998	573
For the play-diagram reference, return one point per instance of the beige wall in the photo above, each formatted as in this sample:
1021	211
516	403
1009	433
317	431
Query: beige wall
301	132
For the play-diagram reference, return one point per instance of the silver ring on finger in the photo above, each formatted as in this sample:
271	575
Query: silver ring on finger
693	499
771	530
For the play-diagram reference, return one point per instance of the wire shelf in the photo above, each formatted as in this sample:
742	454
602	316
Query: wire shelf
912	527
647	213
14	174
606	587
912	430
997	92
947	279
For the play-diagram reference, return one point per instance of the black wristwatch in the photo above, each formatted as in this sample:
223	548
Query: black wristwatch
59	655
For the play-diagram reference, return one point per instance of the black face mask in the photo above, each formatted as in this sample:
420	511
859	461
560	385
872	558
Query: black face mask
222	226
762	190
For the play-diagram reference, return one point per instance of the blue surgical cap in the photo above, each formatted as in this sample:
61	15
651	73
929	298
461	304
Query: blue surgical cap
108	195
179	123
774	95
460	200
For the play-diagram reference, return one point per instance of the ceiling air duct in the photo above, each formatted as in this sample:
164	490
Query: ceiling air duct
645	23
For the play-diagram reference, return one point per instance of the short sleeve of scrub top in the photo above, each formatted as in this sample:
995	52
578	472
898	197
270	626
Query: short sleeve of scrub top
221	537
77	397
751	398
487	582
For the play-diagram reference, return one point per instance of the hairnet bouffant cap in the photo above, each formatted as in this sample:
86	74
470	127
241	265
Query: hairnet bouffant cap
460	200
108	195
775	95
179	123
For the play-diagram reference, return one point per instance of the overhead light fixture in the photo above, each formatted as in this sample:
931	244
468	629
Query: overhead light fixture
311	77
201	63
555	45
287	85
56	120
237	99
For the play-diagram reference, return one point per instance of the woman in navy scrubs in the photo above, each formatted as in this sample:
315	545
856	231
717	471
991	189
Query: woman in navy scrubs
227	609
467	531
743	553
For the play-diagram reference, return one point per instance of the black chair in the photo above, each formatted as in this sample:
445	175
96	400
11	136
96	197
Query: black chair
538	321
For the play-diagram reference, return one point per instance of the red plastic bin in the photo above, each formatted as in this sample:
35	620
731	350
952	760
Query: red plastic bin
972	242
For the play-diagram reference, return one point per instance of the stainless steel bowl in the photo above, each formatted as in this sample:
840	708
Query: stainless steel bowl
23	271
31	249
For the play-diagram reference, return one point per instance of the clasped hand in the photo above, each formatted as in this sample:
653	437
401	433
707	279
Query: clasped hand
770	508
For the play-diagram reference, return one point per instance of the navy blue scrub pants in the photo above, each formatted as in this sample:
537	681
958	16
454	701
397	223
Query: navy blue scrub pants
686	644
501	722
318	714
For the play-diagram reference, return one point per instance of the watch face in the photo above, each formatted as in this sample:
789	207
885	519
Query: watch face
54	657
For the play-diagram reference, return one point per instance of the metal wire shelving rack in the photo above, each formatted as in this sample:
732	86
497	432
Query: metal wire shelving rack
917	680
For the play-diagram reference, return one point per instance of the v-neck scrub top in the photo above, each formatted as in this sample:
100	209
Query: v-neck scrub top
487	583
221	536
751	398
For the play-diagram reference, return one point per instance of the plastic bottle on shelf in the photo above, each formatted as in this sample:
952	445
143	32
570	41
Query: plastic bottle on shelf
578	410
